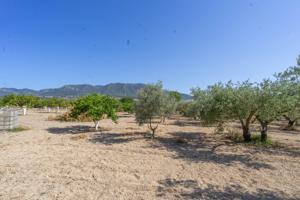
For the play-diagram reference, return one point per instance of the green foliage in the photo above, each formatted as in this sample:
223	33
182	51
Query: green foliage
33	101
153	106
271	105
127	104
289	82
211	105
225	102
54	102
19	100
186	109
256	140
96	107
175	95
247	101
270	102
235	136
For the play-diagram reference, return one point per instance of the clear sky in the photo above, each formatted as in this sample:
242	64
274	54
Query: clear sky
184	43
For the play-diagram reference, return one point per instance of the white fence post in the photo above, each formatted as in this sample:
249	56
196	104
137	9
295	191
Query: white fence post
24	110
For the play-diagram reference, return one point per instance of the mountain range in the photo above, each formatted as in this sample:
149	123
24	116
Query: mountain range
71	91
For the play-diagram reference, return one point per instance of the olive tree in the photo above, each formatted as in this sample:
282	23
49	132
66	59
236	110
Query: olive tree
96	107
227	102
186	109
211	105
176	95
271	105
290	82
153	106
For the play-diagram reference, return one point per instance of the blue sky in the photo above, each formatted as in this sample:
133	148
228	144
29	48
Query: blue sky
184	43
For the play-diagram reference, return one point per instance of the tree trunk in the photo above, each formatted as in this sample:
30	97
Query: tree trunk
264	131
153	132
153	129
97	123
291	124
246	134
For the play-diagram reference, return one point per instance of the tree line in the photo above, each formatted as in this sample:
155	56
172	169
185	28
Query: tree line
248	102
244	102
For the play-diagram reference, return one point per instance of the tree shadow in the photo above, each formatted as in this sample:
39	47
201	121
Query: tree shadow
182	123
190	189
125	115
288	132
116	138
195	147
71	130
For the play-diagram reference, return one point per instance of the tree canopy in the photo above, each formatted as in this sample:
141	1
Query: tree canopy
153	106
96	107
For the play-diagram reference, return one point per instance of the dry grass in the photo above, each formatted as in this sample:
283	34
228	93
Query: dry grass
79	137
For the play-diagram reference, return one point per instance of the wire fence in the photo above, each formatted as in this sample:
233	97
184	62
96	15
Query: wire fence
9	118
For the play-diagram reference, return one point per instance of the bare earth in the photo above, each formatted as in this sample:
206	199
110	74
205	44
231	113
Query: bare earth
58	160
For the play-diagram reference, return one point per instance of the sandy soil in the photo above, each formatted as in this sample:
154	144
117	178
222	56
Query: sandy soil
55	160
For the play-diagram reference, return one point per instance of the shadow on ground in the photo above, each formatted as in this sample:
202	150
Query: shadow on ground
117	138
190	189
188	146
186	122
195	147
72	130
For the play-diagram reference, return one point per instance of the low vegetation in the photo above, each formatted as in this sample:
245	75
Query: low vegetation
30	101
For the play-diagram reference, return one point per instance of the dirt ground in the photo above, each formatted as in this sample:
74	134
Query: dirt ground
59	160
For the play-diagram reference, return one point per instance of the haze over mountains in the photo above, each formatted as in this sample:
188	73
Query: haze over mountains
70	91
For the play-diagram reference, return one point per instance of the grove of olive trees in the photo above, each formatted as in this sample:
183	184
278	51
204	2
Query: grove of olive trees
246	102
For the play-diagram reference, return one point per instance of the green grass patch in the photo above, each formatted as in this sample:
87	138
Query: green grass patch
18	129
236	136
256	140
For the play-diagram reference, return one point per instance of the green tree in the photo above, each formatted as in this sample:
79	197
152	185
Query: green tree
127	104
271	105
211	105
153	106
289	80
175	95
186	109
96	107
55	102
243	98
221	103
20	100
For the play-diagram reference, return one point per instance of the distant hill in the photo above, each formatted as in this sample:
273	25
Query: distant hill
70	91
